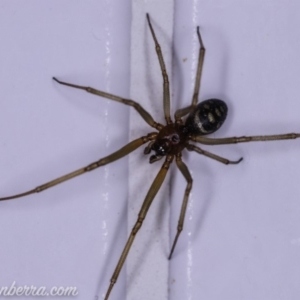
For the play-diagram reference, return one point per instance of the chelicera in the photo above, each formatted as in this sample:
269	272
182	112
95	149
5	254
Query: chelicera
190	124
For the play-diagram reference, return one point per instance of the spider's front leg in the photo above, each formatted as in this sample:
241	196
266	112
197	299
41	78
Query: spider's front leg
103	161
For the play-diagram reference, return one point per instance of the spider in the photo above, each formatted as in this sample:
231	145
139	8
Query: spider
191	124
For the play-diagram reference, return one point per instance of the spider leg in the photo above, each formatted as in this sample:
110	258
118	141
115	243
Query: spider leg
184	111
164	74
211	155
185	172
181	112
243	139
199	69
103	161
141	216
143	113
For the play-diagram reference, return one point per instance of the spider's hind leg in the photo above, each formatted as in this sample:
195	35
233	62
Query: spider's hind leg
199	69
186	110
243	139
213	156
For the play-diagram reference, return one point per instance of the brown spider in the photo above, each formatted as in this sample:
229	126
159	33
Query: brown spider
169	141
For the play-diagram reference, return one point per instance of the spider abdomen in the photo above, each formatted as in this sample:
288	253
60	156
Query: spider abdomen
207	117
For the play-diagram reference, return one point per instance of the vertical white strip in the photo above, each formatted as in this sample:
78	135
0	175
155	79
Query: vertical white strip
147	264
185	59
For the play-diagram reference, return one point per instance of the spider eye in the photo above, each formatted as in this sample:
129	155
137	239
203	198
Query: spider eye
208	117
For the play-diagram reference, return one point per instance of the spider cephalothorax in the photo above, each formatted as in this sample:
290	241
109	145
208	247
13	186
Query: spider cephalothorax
169	141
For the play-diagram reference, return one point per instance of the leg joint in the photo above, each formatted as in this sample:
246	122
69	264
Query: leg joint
179	228
137	226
